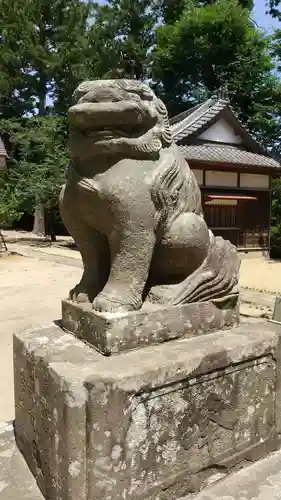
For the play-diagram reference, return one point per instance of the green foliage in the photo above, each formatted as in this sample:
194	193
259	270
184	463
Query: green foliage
121	38
43	158
71	41
171	10
15	91
42	58
11	208
42	53
209	47
274	8
37	170
275	236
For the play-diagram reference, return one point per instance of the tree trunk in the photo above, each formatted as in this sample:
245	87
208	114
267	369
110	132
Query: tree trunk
39	220
3	247
49	225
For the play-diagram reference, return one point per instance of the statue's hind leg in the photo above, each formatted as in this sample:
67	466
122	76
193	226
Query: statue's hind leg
182	250
92	245
213	275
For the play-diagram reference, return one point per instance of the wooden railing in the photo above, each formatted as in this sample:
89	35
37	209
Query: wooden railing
255	238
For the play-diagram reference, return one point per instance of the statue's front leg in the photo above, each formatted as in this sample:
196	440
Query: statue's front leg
92	245
131	248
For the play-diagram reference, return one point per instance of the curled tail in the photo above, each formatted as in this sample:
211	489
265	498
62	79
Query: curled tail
215	280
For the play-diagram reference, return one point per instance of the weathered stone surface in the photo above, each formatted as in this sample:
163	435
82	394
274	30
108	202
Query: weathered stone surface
260	481
50	408
133	206
154	426
16	480
112	333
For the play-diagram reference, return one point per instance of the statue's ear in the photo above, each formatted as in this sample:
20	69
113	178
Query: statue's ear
82	89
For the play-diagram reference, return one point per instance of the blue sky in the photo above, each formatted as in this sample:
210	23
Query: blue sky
263	20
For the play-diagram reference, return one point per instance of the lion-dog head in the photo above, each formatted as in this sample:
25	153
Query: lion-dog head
117	117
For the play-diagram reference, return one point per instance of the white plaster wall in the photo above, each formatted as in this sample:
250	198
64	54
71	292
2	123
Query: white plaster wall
221	131
214	178
198	176
254	181
2	163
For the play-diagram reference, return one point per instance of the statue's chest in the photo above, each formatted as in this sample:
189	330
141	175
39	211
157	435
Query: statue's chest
93	203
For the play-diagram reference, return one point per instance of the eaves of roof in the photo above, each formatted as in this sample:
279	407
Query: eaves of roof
227	155
189	127
3	151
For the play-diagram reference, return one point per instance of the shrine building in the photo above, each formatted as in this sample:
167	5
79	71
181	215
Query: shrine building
234	173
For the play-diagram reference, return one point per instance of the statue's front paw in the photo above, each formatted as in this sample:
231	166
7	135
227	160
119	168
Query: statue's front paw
116	302
79	294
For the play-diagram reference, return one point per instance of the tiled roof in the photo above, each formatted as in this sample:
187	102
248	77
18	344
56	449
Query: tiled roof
192	121
228	154
3	151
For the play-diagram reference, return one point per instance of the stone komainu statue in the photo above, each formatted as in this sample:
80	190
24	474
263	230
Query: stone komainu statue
133	206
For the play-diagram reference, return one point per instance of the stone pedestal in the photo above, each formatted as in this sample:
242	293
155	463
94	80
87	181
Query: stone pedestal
145	424
114	333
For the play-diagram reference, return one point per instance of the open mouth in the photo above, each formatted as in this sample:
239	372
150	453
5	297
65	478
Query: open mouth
116	133
128	117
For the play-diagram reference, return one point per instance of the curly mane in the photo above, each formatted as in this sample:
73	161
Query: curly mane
174	189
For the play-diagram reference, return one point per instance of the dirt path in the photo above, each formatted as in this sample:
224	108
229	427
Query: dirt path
262	275
30	291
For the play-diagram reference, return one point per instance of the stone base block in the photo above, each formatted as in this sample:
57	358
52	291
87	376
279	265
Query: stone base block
147	424
112	333
16	480
259	481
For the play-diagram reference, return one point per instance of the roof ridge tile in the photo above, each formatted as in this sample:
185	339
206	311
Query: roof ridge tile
201	116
